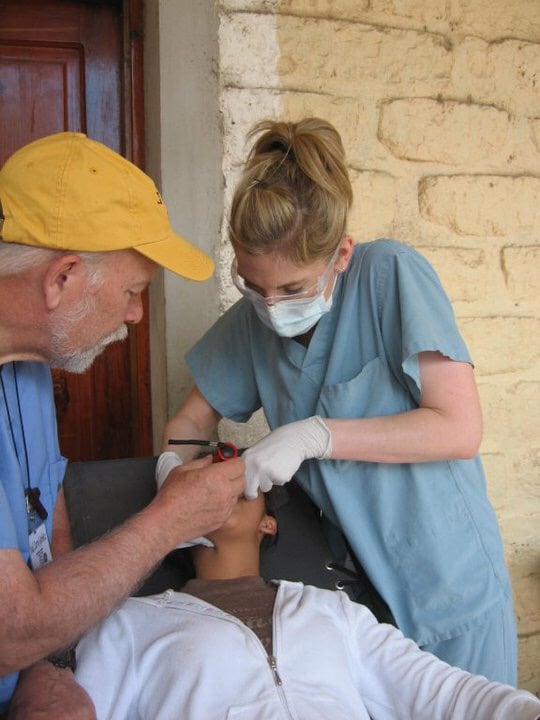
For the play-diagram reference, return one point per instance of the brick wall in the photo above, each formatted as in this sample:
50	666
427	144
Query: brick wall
438	104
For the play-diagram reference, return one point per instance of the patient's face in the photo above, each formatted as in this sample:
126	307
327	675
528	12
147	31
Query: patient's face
248	518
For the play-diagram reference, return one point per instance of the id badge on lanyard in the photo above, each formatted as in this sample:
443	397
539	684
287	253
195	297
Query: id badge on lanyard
38	540
40	549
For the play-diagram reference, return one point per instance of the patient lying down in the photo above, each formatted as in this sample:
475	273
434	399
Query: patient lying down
232	646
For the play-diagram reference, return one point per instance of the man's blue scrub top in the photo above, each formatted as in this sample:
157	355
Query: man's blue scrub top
32	392
425	533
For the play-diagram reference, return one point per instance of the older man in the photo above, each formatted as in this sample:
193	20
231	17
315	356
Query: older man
82	233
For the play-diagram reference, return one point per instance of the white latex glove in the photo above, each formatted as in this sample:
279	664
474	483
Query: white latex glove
167	461
274	459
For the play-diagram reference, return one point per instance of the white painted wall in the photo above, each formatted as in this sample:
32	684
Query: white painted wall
183	138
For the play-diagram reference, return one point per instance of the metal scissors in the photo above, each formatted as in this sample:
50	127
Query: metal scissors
223	450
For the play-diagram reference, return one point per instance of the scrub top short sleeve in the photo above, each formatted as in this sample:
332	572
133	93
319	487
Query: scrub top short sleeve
415	313
222	363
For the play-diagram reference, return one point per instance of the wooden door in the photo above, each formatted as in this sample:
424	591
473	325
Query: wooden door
76	65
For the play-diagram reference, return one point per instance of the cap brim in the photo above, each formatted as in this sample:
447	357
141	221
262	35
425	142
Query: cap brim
179	256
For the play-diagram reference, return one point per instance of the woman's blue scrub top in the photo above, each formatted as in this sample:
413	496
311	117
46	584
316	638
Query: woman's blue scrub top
425	533
36	424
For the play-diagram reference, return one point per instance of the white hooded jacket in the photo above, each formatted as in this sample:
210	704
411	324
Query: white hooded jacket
173	656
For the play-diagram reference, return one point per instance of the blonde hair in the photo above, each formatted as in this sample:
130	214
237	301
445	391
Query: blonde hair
294	193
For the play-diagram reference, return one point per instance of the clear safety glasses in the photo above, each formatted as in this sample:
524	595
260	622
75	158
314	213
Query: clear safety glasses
256	297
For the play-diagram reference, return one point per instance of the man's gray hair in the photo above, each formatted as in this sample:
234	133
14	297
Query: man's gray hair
16	258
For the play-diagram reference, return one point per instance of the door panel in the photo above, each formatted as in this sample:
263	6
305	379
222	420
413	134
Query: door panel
63	66
30	77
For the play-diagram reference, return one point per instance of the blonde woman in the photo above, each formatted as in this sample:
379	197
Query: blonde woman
354	355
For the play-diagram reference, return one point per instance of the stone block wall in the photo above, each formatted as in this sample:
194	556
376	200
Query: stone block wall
438	104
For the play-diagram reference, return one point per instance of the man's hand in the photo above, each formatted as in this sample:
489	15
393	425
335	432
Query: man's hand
201	495
167	462
274	459
45	692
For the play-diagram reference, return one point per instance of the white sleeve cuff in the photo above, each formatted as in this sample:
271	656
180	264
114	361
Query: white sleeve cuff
167	461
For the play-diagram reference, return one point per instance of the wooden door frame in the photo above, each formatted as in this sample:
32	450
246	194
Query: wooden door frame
133	133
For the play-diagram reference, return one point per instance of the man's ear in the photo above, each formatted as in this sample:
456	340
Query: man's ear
268	526
62	279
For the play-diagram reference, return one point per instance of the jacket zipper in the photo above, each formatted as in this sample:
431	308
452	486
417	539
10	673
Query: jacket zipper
273	667
272	658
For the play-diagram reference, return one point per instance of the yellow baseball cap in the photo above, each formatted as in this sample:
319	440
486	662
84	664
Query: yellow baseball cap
67	192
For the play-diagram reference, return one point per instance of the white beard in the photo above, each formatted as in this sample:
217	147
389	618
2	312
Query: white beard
78	361
62	355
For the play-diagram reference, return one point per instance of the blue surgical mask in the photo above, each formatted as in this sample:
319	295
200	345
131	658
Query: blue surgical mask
290	318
